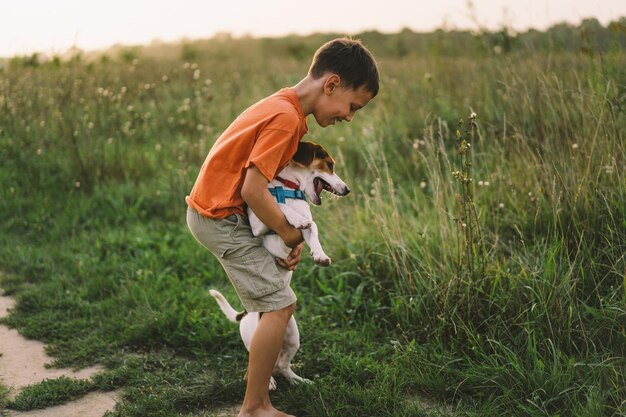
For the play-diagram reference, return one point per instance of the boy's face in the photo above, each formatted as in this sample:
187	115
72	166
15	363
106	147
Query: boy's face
340	103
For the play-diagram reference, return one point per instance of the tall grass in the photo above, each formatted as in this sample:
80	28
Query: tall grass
520	311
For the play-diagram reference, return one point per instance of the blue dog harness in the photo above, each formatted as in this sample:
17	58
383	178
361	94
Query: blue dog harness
280	194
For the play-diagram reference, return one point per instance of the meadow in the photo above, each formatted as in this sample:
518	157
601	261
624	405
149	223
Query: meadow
478	264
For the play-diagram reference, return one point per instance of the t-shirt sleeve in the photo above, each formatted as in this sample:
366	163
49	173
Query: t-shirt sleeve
270	148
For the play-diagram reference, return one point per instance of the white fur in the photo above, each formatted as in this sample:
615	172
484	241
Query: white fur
298	212
247	327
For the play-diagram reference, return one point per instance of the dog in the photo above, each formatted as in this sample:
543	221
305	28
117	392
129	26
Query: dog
248	323
307	174
310	171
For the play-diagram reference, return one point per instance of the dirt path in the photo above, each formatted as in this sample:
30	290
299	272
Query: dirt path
23	363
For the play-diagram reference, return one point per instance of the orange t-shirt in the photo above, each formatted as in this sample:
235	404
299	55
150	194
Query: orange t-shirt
266	135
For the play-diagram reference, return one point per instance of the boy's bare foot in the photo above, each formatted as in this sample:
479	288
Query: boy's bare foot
268	411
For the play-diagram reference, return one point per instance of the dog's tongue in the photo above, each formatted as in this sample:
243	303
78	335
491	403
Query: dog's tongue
319	186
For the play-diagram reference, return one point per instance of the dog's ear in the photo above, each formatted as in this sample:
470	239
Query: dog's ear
320	152
305	153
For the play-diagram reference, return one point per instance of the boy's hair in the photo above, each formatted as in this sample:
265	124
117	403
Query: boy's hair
349	59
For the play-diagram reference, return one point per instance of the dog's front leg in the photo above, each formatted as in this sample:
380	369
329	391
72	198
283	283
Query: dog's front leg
294	218
312	239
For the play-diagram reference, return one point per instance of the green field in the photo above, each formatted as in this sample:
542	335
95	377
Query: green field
481	280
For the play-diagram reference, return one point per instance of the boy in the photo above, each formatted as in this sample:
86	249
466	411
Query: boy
343	78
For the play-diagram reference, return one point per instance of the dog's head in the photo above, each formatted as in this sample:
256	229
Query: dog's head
317	172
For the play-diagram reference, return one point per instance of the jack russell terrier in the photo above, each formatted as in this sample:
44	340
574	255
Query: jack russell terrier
310	171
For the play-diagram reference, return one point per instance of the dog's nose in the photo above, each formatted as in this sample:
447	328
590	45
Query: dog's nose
347	191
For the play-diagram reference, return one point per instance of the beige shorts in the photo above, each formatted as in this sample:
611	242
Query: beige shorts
260	283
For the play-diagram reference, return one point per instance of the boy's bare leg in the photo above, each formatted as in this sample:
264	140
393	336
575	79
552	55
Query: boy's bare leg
264	349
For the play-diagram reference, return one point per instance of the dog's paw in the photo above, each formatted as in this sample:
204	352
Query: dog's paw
299	380
294	378
302	226
300	222
321	259
296	219
272	384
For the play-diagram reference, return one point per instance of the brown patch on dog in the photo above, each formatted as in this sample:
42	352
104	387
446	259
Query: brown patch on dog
308	152
324	165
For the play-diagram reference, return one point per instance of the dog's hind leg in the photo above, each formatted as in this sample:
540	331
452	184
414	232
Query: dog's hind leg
291	344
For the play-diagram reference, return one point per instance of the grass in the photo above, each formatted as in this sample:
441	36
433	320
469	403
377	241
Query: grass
416	317
49	392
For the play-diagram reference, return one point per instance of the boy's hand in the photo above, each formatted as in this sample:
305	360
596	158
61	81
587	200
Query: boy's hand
291	236
292	260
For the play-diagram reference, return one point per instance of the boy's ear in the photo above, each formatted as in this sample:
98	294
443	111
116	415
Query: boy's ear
306	152
331	84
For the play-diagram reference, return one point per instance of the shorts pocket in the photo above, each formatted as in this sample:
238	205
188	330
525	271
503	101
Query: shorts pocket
255	273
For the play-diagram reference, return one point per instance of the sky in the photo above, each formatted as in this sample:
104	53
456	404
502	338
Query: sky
53	26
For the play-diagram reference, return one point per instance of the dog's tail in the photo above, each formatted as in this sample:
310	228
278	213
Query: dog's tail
226	308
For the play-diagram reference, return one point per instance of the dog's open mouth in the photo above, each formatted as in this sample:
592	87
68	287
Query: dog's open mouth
320	185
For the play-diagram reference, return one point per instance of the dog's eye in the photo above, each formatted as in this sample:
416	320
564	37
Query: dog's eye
331	166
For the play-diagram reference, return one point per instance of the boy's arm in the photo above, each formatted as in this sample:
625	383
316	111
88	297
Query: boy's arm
255	194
